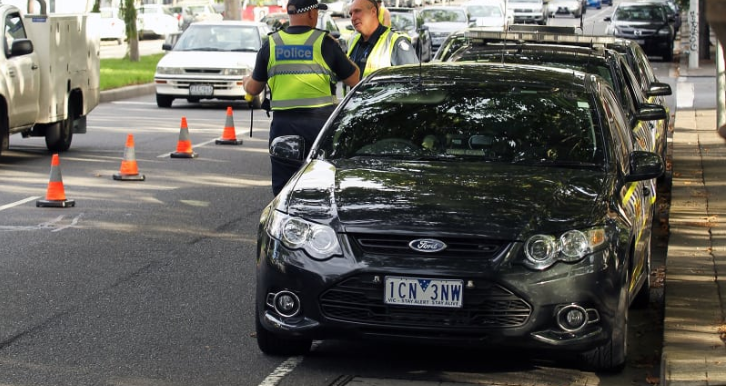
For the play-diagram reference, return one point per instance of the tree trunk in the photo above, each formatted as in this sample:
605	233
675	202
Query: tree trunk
232	10
129	14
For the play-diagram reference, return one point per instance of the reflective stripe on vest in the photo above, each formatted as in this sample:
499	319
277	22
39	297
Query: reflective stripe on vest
381	53
298	76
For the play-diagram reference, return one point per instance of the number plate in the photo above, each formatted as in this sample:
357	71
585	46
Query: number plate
410	291
201	90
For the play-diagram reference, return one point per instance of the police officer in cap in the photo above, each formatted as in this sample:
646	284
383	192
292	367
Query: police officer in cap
302	66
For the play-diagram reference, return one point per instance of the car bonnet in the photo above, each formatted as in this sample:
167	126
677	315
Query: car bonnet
496	200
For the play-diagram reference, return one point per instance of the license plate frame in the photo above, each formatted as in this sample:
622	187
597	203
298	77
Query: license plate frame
423	292
201	90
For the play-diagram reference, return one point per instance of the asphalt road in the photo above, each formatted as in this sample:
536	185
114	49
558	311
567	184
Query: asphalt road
151	283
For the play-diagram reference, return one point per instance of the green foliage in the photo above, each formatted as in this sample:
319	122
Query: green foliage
117	73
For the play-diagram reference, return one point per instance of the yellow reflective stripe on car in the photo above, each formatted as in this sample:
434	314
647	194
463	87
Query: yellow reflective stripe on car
629	194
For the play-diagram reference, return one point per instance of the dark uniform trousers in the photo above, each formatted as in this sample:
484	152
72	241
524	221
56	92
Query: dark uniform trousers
304	122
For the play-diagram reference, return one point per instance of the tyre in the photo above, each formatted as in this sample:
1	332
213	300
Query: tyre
60	134
272	344
164	101
4	131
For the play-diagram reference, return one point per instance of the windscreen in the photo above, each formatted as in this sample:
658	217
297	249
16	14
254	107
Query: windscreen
472	122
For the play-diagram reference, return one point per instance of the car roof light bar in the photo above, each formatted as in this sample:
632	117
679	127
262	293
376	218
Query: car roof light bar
539	37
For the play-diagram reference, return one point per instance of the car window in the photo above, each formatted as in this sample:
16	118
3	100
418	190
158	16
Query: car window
443	16
621	137
402	21
219	38
461	121
484	11
639	13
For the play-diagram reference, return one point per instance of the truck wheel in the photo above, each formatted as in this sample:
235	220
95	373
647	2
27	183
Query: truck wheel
4	131
164	100
60	134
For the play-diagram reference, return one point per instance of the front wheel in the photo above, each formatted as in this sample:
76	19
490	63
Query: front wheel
60	134
164	101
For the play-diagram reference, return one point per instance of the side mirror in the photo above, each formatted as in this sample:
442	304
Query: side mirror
335	34
166	47
651	112
607	19
659	89
21	47
288	148
644	165
349	27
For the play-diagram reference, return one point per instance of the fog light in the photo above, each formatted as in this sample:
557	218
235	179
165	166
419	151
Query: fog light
571	318
286	303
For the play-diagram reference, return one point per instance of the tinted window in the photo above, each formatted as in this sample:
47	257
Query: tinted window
466	121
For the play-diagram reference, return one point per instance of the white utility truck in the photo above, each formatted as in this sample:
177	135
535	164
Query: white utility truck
49	75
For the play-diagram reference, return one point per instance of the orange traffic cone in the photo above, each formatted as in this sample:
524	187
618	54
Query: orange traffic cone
129	170
184	146
228	137
55	194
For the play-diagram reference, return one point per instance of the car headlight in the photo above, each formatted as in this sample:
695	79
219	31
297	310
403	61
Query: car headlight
664	31
170	71
318	241
542	251
233	72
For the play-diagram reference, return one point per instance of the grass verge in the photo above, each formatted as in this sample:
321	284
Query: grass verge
117	73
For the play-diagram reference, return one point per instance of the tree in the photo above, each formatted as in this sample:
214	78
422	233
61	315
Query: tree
232	9
129	15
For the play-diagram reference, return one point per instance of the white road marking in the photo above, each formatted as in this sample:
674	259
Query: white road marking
21	202
284	369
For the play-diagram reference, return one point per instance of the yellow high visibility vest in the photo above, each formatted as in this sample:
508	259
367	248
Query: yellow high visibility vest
381	53
297	73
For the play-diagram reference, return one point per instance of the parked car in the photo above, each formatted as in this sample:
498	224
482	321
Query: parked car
410	22
111	27
155	20
645	23
490	14
190	13
672	11
528	11
565	7
442	20
582	53
411	229
594	4
279	20
652	87
209	61
336	7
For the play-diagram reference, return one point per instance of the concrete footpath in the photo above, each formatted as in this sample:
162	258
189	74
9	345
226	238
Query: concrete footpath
694	343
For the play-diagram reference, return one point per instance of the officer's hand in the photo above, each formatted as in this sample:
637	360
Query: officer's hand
249	98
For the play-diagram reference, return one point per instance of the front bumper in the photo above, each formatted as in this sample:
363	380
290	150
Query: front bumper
343	297
223	88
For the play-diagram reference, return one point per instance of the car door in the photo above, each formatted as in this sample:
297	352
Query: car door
22	77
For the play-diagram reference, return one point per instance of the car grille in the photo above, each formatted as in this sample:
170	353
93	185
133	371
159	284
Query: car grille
636	32
360	299
398	245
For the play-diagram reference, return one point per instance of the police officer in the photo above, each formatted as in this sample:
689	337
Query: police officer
383	14
374	45
301	65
